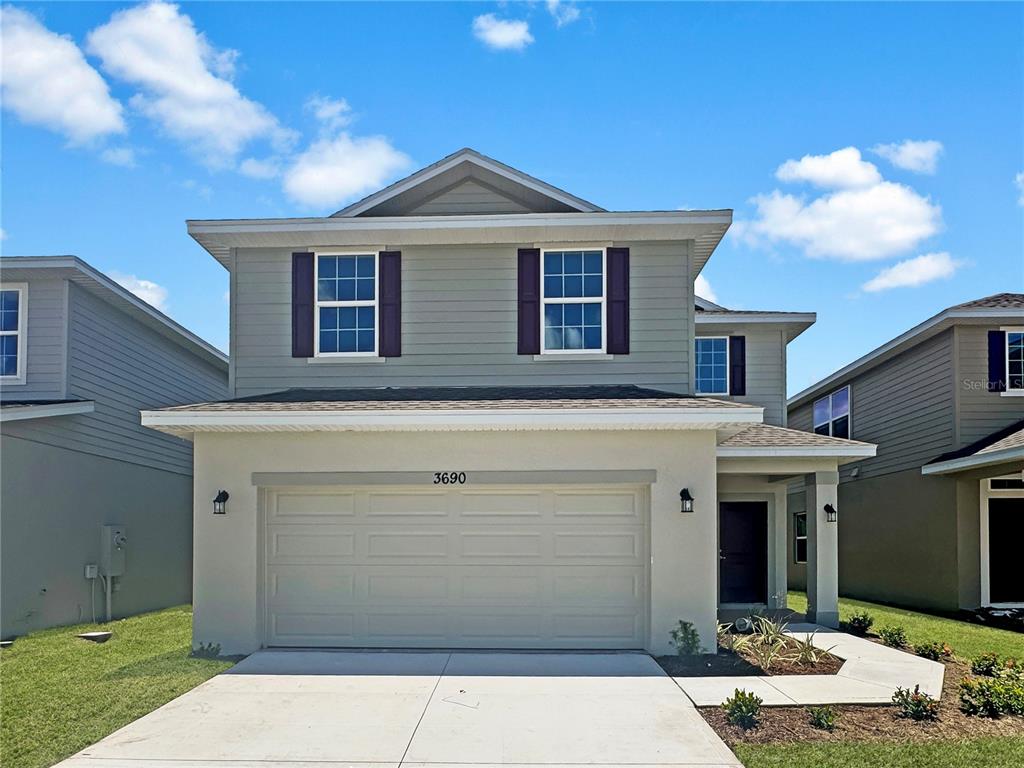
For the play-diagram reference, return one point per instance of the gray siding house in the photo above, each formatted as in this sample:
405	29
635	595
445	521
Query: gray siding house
936	518
81	356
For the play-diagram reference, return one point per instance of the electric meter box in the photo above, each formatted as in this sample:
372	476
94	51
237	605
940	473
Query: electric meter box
113	550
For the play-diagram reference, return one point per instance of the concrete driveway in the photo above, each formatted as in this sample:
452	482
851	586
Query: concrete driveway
323	709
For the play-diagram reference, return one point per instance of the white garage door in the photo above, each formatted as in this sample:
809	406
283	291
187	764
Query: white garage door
517	567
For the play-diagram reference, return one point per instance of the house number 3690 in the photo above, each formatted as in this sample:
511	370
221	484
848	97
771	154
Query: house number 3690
449	478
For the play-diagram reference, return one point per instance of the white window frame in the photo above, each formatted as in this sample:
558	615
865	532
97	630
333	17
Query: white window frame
797	537
1016	391
988	492
544	301
375	303
21	333
831	419
727	367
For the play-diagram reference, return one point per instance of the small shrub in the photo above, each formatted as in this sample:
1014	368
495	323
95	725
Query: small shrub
742	709
686	639
982	697
807	652
915	704
860	623
731	641
933	650
764	653
823	718
894	637
986	665
769	630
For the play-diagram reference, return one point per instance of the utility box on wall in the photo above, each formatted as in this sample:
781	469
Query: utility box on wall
113	550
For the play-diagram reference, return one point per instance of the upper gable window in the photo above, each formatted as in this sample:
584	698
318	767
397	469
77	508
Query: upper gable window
711	365
572	301
1015	360
346	304
832	414
12	336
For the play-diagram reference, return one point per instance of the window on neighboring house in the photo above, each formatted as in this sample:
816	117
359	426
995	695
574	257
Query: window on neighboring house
1015	360
346	304
711	365
12	343
572	301
800	537
832	414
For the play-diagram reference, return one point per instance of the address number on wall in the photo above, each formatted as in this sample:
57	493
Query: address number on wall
449	478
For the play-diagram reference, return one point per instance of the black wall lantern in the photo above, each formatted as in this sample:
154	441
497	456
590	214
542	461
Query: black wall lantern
831	515
220	502
685	501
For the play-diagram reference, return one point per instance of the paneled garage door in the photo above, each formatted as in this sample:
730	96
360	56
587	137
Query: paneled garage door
487	567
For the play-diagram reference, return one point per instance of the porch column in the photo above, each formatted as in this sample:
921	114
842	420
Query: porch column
822	549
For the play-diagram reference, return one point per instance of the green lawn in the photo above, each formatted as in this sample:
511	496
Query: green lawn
967	640
59	694
979	753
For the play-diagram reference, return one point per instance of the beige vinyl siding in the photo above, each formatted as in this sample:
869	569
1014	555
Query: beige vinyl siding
766	369
468	197
905	406
459	307
44	344
981	412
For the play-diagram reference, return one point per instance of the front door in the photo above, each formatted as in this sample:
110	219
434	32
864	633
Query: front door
743	551
1005	533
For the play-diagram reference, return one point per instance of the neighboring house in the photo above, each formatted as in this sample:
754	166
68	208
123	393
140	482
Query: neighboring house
936	519
474	410
80	357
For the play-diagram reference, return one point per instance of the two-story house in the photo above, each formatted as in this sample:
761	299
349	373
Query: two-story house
936	519
474	410
90	499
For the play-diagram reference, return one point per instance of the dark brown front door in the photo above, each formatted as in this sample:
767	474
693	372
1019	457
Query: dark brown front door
1005	534
743	551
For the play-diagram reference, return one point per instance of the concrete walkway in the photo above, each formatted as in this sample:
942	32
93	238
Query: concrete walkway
295	709
871	674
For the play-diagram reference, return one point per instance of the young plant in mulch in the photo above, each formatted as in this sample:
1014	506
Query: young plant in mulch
731	641
686	639
859	623
915	704
823	718
807	652
743	709
986	665
998	691
894	637
933	650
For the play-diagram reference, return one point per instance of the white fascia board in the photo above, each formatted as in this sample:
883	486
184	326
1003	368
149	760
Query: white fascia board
44	411
736	318
975	461
897	345
444	420
788	451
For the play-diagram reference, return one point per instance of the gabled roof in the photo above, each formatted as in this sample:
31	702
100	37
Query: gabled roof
72	268
766	440
536	195
1004	445
794	323
999	306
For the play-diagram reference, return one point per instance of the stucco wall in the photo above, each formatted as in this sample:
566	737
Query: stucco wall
683	547
52	504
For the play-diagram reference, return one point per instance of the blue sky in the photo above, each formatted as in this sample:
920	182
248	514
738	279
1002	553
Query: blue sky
135	118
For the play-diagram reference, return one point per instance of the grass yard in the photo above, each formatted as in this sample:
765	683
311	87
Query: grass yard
967	640
59	694
976	753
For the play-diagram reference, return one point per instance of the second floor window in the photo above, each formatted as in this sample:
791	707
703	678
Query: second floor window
1015	360
11	343
800	537
346	304
711	365
832	414
572	300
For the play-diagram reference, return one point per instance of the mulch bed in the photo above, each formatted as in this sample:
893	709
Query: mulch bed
726	663
870	723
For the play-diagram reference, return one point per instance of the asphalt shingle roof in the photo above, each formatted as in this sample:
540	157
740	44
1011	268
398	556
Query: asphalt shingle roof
768	436
1008	437
995	301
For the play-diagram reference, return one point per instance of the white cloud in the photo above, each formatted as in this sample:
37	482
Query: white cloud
123	156
563	13
502	34
47	81
333	114
147	290
1019	181
182	81
842	169
703	288
913	272
334	169
268	168
203	190
916	156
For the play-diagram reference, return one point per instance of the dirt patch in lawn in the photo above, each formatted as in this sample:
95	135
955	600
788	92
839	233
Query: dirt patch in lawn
877	723
727	663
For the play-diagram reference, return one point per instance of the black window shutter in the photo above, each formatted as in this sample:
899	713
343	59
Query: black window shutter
996	361
737	365
302	304
529	301
617	308
390	304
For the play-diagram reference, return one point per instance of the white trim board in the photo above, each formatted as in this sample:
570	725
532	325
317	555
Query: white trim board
45	410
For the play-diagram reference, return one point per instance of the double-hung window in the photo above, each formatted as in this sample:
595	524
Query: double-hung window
1015	361
12	333
346	304
711	365
800	537
832	414
572	301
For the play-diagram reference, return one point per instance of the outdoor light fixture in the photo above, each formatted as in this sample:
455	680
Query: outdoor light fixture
685	501
220	502
831	515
